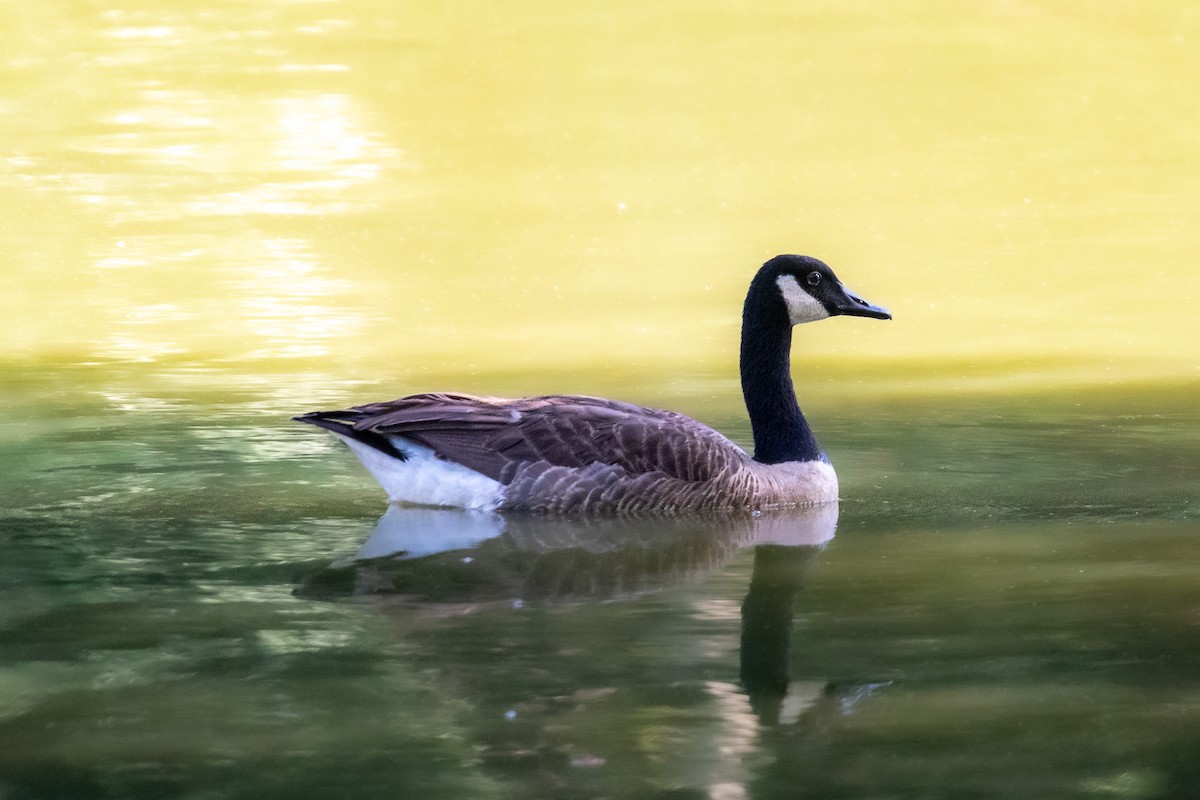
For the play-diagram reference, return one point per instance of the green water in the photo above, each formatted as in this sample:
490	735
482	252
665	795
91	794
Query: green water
1008	609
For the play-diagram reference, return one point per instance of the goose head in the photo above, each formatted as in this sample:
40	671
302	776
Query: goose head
810	291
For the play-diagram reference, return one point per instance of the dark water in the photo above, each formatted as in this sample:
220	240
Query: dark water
1009	608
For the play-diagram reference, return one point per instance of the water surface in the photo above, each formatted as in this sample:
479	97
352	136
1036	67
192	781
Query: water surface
1008	608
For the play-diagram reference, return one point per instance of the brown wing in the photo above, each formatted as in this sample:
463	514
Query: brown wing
495	436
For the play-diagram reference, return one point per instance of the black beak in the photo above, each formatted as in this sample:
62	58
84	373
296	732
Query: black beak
852	305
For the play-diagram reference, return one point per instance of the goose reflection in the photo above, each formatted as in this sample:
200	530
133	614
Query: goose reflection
461	560
779	574
423	555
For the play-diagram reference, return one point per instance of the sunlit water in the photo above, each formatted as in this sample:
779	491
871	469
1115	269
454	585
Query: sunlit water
218	215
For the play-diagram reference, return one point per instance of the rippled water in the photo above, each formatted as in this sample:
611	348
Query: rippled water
220	214
196	600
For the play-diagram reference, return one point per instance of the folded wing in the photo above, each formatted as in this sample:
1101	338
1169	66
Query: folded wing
498	437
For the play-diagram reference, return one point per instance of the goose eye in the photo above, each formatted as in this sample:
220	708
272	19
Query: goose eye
813	278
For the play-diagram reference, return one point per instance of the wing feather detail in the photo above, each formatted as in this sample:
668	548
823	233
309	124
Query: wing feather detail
495	436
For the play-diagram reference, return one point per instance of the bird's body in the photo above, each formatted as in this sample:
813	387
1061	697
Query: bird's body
562	454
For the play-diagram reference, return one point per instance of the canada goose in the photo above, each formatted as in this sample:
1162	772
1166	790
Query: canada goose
562	454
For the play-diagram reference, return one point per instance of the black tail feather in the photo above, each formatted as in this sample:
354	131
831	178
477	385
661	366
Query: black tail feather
335	421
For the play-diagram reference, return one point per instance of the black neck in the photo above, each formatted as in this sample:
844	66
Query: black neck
780	430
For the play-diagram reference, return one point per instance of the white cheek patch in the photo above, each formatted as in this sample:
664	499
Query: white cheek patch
801	306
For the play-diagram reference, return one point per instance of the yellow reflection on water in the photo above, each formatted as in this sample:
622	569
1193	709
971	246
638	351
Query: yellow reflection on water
366	188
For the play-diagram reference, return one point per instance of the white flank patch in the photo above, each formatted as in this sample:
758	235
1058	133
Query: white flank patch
426	480
801	306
